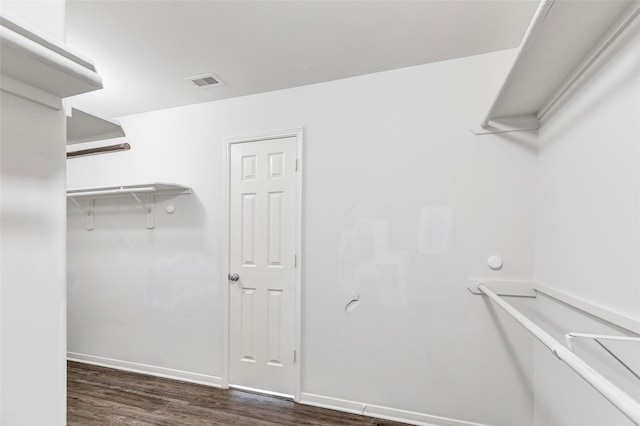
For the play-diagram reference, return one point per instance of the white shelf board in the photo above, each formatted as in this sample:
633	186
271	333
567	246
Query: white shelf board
604	313
143	194
161	188
40	68
85	127
563	40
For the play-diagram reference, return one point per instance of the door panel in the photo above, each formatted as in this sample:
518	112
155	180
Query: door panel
261	250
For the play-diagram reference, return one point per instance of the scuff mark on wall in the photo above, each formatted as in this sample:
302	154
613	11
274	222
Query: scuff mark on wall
367	263
352	305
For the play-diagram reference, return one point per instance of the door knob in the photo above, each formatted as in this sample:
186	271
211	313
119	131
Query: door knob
234	277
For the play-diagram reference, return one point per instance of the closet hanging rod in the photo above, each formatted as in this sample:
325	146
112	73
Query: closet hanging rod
623	402
112	191
99	150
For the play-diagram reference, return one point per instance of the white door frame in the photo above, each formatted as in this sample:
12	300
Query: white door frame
226	334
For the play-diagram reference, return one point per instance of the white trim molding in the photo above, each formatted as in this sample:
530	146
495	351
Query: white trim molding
380	412
151	370
31	93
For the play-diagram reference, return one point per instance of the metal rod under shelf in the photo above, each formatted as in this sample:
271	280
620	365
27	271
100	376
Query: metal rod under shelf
99	150
621	400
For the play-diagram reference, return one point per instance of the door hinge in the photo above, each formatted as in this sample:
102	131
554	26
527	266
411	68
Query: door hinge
295	260
295	356
295	167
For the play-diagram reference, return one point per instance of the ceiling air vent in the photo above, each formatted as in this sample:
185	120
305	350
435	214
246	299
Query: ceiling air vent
205	80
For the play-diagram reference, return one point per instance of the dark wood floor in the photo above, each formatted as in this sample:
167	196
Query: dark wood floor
103	396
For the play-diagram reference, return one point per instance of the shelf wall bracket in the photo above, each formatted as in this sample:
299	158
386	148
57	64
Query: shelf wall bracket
517	123
150	221
596	338
88	212
148	208
503	287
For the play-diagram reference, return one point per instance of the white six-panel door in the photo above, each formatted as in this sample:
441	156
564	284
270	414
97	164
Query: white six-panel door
262	237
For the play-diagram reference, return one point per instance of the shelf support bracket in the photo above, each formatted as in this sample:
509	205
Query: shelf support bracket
148	208
88	213
516	123
139	202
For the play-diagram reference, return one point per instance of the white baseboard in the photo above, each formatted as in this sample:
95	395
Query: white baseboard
380	412
185	376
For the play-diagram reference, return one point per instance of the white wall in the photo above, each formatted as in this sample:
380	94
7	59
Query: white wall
588	232
32	247
402	204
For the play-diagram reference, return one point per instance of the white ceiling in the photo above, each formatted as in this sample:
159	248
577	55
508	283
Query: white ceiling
145	49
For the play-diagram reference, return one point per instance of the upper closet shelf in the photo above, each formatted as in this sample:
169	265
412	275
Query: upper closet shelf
156	188
563	40
85	127
39	68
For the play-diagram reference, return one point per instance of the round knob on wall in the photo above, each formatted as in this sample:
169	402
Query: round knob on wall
234	277
494	263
